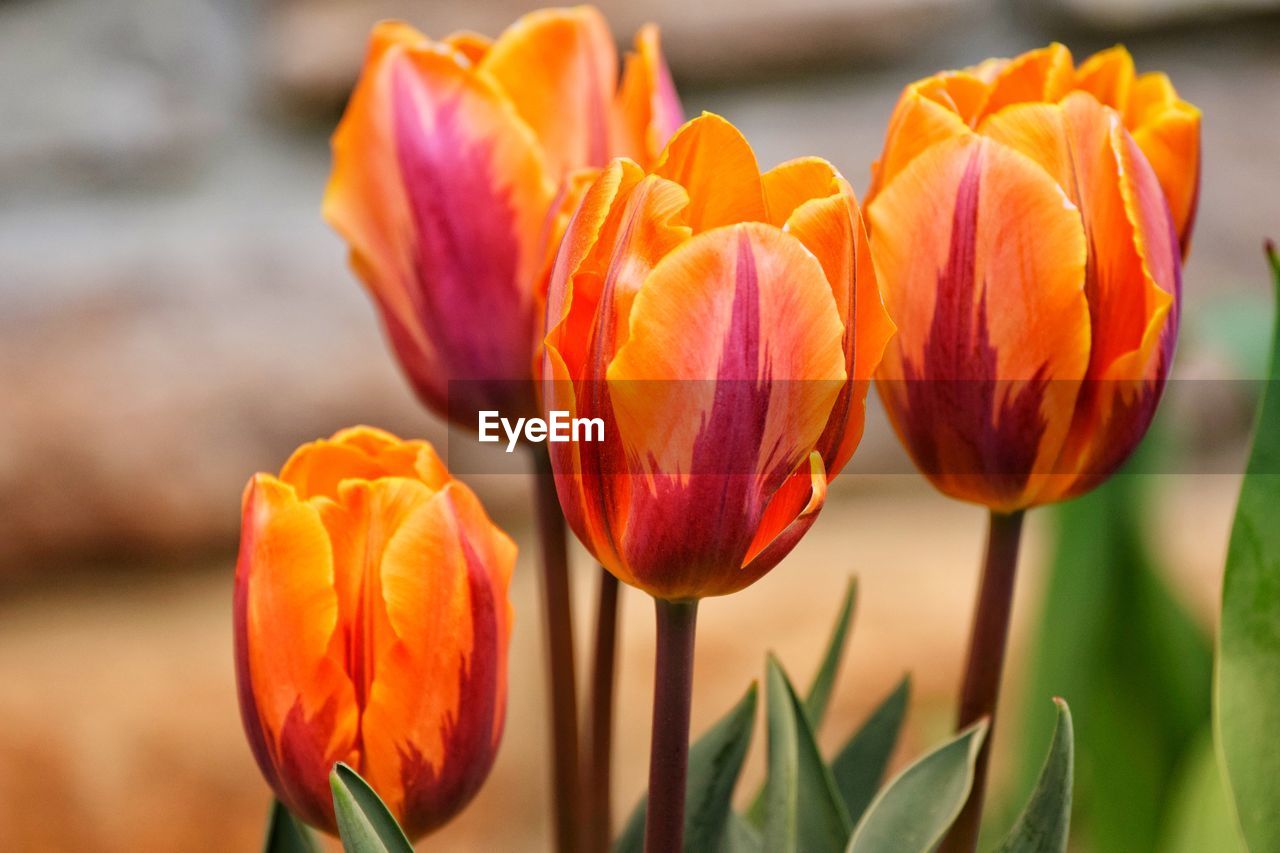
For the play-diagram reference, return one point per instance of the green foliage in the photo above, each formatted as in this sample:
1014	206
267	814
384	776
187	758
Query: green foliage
859	766
803	809
819	695
285	833
1200	817
1045	822
1248	665
917	807
364	823
1134	664
715	760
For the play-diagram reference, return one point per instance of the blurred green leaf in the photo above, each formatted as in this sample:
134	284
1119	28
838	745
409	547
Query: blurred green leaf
364	823
1200	817
1248	666
285	833
715	761
819	695
1136	666
1046	820
915	810
803	809
859	766
741	837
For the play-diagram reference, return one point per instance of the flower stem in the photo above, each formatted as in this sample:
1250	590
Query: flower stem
558	627
597	777
985	665
669	749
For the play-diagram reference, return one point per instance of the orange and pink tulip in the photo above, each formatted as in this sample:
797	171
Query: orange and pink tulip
1028	220
454	170
724	325
371	627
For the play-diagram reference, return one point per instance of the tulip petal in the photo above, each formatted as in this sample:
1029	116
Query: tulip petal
925	115
713	161
473	46
441	191
718	419
1108	75
1171	144
649	107
317	468
791	512
994	315
1045	74
559	68
297	703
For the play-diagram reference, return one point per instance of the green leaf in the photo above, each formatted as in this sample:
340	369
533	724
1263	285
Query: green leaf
802	808
916	809
364	823
1200	816
1137	666
715	761
859	766
1046	820
819	695
285	833
741	837
1248	666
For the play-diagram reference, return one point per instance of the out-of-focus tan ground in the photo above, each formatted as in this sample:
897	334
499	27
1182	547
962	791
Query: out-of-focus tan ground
119	730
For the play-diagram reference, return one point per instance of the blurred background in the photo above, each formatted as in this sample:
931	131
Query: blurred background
174	315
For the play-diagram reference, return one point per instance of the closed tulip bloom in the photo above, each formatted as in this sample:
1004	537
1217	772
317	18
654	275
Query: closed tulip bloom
724	325
371	627
452	171
1027	219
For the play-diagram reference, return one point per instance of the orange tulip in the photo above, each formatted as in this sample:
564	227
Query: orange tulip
452	169
724	325
371	627
1026	220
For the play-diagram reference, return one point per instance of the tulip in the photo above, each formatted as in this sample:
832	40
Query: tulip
371	627
1026	219
724	325
1029	220
453	170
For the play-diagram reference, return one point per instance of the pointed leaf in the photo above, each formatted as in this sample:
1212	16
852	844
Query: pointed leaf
916	809
802	808
859	766
1247	694
364	823
741	837
1044	823
285	833
715	761
1200	816
819	695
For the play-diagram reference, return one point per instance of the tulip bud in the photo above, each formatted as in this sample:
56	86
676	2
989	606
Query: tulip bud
448	170
724	325
371	627
1027	219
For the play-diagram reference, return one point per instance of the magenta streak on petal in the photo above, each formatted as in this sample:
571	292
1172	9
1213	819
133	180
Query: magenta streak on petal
693	533
472	307
434	794
957	388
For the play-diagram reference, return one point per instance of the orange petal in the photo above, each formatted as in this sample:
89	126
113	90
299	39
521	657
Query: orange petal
559	68
989	316
717	407
791	513
297	703
791	184
649	108
832	229
1045	74
713	161
473	46
1108	75
924	116
441	192
1171	143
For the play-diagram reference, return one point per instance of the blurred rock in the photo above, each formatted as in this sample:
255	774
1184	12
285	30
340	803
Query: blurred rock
315	46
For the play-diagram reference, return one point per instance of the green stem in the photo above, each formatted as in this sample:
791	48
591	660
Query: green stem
598	775
986	665
669	748
558	627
